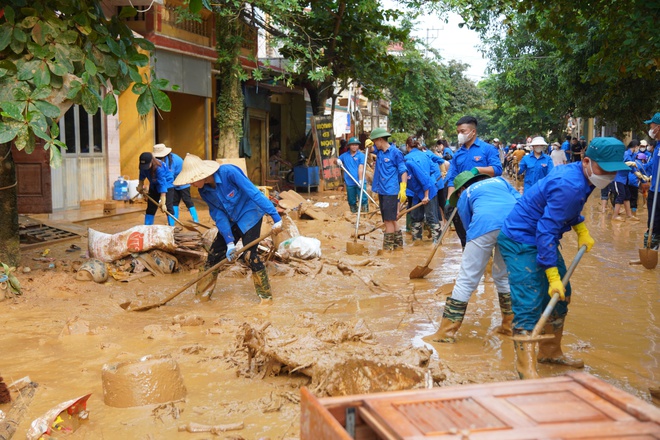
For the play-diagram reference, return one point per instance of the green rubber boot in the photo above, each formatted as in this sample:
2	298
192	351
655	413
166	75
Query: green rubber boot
452	318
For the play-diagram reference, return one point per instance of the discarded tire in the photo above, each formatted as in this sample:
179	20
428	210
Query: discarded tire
148	380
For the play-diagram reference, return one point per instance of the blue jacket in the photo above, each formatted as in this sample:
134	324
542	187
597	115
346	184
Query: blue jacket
235	200
535	169
549	209
352	164
652	165
484	205
480	154
622	176
390	165
419	167
174	164
161	181
436	174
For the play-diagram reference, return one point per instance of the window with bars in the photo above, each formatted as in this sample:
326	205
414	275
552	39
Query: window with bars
81	132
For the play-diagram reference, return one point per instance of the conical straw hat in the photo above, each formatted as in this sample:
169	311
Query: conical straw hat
194	169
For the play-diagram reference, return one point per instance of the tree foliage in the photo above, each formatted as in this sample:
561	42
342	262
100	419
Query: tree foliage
55	53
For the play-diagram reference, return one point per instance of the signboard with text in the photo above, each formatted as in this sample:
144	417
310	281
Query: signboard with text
324	142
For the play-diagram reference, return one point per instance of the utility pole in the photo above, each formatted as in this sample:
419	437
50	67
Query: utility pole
432	34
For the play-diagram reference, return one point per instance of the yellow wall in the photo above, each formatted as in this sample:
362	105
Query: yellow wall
182	129
135	135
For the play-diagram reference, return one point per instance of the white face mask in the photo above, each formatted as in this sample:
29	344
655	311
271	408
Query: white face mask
463	138
651	133
538	149
599	181
642	149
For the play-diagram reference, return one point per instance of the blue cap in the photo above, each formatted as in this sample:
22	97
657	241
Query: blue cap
654	120
607	152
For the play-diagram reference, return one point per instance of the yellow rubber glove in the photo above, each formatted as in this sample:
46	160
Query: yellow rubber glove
402	192
556	286
584	238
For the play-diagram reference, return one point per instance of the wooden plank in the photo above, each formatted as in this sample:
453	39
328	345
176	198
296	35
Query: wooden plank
560	406
317	423
379	426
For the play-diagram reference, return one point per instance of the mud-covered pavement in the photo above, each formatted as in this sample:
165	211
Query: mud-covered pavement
613	324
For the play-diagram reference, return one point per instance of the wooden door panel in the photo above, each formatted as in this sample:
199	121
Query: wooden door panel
34	189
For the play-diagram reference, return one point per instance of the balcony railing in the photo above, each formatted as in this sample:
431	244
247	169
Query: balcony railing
170	16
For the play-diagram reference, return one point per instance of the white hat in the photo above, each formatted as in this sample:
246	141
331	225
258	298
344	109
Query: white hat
643	143
194	169
496	140
161	150
538	140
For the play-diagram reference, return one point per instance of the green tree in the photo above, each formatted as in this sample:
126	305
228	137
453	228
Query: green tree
55	53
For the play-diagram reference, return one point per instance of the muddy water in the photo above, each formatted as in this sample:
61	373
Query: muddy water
613	325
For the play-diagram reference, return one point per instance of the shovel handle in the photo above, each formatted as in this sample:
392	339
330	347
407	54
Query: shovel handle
358	183
555	298
167	212
202	275
401	214
442	235
655	203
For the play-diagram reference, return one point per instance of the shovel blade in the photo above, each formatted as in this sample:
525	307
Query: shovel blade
354	248
649	258
420	272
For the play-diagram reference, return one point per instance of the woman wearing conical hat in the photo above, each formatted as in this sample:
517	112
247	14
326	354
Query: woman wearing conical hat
237	207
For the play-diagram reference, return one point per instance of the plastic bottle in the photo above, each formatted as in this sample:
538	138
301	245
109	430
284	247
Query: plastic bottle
120	189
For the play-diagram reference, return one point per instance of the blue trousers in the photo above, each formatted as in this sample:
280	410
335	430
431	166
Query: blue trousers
529	285
353	192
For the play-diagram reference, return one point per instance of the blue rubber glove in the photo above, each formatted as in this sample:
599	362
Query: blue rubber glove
231	251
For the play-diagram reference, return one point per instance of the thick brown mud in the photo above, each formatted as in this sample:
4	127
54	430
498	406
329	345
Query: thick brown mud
61	332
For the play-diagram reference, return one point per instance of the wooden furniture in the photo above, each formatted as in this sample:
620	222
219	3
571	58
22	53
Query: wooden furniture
575	406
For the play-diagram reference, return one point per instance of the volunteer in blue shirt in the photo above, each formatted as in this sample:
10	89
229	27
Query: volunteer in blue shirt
237	207
529	243
536	165
473	155
566	148
422	188
483	204
653	165
623	194
160	186
353	163
438	171
181	192
390	183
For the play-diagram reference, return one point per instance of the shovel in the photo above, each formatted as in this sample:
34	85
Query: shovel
648	256
422	271
358	184
140	308
536	336
176	220
355	248
401	214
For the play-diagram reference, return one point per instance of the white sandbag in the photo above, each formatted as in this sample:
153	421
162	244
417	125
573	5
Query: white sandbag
305	248
111	247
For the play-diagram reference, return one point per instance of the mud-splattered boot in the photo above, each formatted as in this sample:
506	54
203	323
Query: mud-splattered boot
365	207
204	287
398	240
507	313
655	240
416	230
436	229
525	357
452	318
353	208
550	349
388	241
262	285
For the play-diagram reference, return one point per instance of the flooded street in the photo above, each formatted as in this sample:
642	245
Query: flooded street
613	324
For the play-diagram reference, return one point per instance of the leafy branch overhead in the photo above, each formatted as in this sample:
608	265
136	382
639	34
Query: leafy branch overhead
55	53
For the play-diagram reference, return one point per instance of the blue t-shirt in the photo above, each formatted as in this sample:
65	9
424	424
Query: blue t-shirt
436	174
389	167
480	154
175	164
235	200
484	205
535	168
652	165
161	180
419	166
352	163
549	209
622	176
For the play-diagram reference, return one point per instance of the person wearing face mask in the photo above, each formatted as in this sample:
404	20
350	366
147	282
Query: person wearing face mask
558	157
643	146
537	165
529	244
473	155
652	165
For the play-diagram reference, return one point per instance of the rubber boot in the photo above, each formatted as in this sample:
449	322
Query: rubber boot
175	210
170	221
389	241
193	213
262	284
507	313
204	287
365	207
353	208
525	357
655	240
452	318
398	240
416	229
436	229
149	219
550	349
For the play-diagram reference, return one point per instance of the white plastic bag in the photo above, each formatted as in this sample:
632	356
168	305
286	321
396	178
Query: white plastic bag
108	248
301	247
